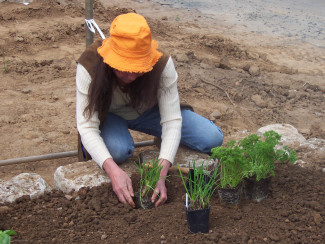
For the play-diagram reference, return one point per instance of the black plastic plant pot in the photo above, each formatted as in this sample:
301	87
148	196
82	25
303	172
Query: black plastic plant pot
144	203
231	195
198	220
256	190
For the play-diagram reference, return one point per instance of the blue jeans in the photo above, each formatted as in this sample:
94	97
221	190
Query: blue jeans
198	133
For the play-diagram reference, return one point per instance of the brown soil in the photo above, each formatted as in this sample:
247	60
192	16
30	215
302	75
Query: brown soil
40	44
293	213
42	41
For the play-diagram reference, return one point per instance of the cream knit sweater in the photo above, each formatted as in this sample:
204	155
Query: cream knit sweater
169	106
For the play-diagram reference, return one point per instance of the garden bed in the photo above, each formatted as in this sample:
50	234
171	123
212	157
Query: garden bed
294	212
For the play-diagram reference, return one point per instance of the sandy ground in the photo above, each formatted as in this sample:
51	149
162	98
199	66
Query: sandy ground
296	20
41	42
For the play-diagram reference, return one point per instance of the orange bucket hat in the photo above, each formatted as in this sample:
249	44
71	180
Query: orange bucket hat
130	47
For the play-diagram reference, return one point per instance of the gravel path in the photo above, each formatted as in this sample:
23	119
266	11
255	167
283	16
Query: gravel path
300	20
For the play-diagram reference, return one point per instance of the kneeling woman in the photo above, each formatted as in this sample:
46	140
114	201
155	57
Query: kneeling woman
125	83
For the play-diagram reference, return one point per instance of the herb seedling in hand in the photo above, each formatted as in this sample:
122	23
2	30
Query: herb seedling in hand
149	177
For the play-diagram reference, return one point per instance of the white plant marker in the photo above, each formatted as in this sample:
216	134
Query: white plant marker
186	201
90	24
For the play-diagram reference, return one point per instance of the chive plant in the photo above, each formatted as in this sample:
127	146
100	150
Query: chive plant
149	177
199	186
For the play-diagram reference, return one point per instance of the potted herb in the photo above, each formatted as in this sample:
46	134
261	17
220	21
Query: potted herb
200	186
5	236
232	162
149	177
261	157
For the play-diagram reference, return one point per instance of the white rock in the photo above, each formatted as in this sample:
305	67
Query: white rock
26	2
301	163
313	152
30	184
77	175
314	144
289	135
198	161
183	157
254	70
215	115
323	170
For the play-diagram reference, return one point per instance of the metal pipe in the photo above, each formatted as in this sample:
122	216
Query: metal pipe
39	157
89	14
59	155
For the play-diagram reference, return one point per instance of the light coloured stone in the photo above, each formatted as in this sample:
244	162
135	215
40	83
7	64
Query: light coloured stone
318	219
259	101
26	2
17	1
224	63
183	157
182	58
313	152
103	237
292	94
4	209
198	160
254	70
301	163
215	115
290	136
74	176
30	184
314	144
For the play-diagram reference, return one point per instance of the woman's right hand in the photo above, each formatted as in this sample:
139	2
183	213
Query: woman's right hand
121	182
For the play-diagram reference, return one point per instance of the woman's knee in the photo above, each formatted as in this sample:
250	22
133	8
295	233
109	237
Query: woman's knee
120	153
200	133
210	140
215	139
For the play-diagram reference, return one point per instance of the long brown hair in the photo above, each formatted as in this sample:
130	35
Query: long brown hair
142	92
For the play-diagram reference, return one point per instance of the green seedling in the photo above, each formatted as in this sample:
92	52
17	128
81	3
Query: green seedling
199	186
232	163
262	155
5	236
149	177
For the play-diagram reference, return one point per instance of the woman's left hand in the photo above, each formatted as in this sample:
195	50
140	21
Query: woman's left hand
161	189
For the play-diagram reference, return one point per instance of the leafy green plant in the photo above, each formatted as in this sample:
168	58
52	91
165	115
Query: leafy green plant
262	155
5	236
149	177
232	162
199	186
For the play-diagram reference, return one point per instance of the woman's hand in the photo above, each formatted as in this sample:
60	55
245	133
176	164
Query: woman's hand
161	189
121	182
